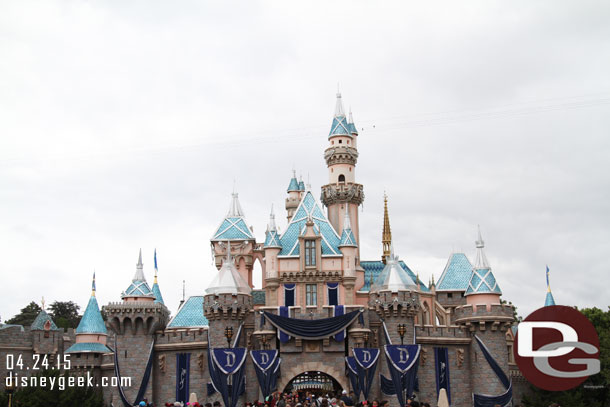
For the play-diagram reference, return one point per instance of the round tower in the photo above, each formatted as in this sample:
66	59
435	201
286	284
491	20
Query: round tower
349	249
342	190
294	196
272	248
486	317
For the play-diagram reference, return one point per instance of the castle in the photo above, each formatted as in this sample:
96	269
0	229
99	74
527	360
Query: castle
309	269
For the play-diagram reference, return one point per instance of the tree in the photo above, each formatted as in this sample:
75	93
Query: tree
27	315
65	314
595	391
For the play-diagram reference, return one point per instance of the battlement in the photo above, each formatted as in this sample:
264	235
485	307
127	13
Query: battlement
342	192
134	306
437	335
225	306
388	304
499	315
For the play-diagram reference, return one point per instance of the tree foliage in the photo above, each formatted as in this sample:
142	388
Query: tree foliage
27	315
65	314
595	391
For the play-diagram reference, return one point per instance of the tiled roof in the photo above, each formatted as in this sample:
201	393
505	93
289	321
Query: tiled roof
138	288
272	239
190	314
352	128
456	275
347	238
309	207
374	268
294	185
339	127
482	281
41	319
157	293
301	185
258	297
233	228
549	299
92	321
91	347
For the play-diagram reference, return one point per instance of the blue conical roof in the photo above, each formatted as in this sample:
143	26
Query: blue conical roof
157	293
138	287
347	235
92	321
339	127
41	320
482	280
456	275
233	226
549	299
294	184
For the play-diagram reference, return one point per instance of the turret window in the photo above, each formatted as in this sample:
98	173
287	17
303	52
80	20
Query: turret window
341	178
340	141
310	253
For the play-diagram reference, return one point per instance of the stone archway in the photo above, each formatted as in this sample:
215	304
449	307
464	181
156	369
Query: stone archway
334	371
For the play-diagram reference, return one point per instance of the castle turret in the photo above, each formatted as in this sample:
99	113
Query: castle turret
485	316
349	249
294	196
272	248
91	333
139	289
50	339
342	189
234	228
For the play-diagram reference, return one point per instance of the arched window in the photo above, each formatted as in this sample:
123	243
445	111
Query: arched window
341	178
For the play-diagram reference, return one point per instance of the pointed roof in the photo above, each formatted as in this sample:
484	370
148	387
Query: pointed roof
294	184
386	233
393	277
138	287
347	236
456	274
155	288
309	208
549	300
41	320
228	280
301	184
190	314
88	347
482	280
233	226
339	126
350	124
92	321
272	239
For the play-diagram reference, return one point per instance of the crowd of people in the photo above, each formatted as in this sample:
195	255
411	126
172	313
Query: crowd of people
309	399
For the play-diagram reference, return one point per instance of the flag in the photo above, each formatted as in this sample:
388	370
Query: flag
156	268
548	286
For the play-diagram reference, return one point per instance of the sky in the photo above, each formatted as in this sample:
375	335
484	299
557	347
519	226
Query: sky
127	125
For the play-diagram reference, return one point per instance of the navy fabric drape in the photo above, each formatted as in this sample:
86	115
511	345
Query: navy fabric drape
481	400
387	386
266	366
214	373
284	337
312	328
339	310
403	369
441	363
366	359
352	373
232	369
145	377
333	293
289	295
182	376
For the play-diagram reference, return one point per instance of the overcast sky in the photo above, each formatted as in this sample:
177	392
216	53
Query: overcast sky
123	125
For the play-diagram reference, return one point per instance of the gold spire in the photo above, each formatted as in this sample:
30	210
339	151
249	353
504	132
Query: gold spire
386	235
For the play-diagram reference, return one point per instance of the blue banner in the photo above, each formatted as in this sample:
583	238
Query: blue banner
289	294
482	400
266	365
229	360
402	364
441	363
333	293
182	376
284	312
352	373
366	358
338	311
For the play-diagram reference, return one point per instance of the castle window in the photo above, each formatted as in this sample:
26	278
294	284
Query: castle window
347	141
340	141
310	253
311	294
449	295
341	178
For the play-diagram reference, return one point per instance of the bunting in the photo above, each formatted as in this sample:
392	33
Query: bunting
266	365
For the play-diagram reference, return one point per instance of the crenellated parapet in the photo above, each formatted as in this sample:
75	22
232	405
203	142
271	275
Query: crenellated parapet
227	306
499	316
142	317
341	155
404	303
342	193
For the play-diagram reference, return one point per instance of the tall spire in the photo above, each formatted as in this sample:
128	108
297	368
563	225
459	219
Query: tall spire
272	238
347	235
386	235
339	106
235	210
481	260
549	295
139	276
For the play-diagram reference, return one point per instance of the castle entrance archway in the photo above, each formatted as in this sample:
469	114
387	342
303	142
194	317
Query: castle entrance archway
314	382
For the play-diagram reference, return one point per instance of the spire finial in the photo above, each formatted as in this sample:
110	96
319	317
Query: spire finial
156	267
386	234
346	221
481	260
93	285
350	118
339	112
235	210
140	264
272	220
548	285
43	303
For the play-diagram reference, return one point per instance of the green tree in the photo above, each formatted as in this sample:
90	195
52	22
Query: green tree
595	391
65	314
27	315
